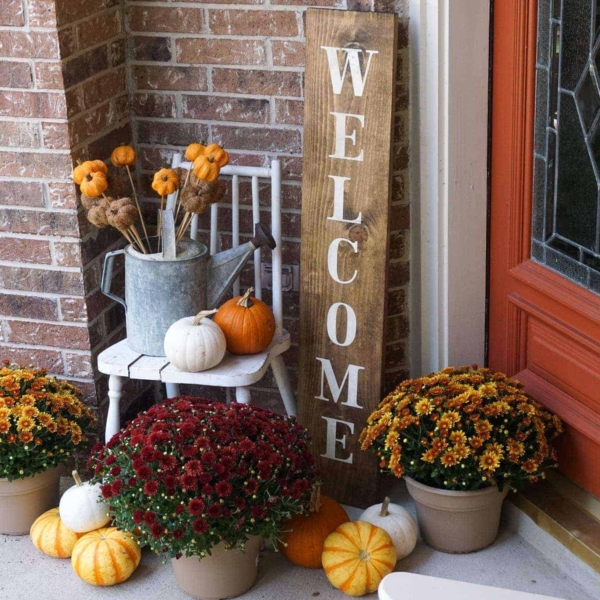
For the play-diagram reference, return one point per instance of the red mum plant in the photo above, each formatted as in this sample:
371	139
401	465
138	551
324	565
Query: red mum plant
189	474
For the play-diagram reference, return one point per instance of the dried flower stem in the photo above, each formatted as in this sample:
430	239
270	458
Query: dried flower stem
180	192
137	203
162	204
185	222
136	235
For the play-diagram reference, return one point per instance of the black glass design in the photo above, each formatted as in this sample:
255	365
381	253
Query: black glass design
566	200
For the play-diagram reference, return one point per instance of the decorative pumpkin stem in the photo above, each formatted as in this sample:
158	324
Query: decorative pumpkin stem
162	203
315	498
384	508
245	300
202	314
77	479
137	203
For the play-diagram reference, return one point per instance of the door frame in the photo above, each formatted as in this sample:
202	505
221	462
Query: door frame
449	89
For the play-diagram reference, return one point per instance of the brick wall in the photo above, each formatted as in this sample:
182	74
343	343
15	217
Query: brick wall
78	77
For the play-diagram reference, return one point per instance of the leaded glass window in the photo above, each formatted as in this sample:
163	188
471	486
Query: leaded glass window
566	214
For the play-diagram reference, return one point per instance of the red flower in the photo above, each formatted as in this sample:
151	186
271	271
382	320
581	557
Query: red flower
202	442
132	481
189	482
138	515
110	460
157	530
246	445
240	503
150	517
168	462
147	453
224	489
144	472
151	488
106	490
258	512
179	509
115	471
196	506
178	534
205	478
117	487
252	486
208	490
214	511
200	526
194	467
209	457
189	451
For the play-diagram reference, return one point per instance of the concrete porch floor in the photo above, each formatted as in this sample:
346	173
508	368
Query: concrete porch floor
524	558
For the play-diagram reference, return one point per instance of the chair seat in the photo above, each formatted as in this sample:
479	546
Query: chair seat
232	371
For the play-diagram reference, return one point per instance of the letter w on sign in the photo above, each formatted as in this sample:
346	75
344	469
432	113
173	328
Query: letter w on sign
348	115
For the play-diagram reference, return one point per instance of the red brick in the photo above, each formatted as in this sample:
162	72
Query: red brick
15	74
96	91
48	75
397	328
257	138
18	134
289	112
152	48
22	193
84	66
38	222
116	52
99	29
154	105
291	167
73	309
11	14
253	22
225	1
88	125
31	164
287	54
398	245
41	280
68	11
220	52
28	307
175	134
46	334
67	254
165	20
62	195
257	82
398	274
32	104
56	135
190	79
321	3
218	108
51	360
36	44
41	13
78	365
400	217
25	250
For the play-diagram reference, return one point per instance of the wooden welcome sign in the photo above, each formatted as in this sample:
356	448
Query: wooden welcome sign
349	103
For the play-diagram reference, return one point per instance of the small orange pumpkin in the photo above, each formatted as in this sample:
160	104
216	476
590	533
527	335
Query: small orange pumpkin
85	168
50	535
102	167
248	324
106	556
94	184
304	535
206	168
193	151
220	156
123	156
357	556
165	182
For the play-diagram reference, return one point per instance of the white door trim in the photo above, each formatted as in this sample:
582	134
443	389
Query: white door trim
449	46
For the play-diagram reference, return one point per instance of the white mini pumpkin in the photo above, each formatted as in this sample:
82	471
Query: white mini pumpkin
195	344
82	508
397	522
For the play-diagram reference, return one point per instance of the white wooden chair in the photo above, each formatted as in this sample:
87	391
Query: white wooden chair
239	372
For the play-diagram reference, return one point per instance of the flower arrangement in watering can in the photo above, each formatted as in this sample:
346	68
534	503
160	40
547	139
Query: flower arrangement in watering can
182	279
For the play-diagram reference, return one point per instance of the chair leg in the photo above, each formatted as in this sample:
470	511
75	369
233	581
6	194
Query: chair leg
285	387
242	395
172	390
113	420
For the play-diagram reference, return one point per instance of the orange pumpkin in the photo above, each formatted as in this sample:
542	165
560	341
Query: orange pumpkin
304	535
165	182
248	324
50	535
357	556
85	168
94	184
101	166
206	168
106	556
123	156
193	151
218	154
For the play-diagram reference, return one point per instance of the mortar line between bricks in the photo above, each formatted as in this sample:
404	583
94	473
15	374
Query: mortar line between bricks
63	211
79	53
98	136
214	6
88	111
50	295
178	35
224	67
95	76
12	319
276	127
216	95
39	266
14	150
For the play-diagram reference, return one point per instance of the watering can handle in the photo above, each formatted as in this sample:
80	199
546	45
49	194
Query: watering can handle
107	273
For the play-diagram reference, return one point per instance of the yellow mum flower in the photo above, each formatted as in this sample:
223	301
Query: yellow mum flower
25	424
4	412
4	426
489	461
27	400
461	452
458	438
45	419
495	448
449	459
424	407
430	455
30	411
452	417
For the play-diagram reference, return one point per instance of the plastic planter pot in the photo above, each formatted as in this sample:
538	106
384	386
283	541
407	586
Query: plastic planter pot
223	574
457	522
22	501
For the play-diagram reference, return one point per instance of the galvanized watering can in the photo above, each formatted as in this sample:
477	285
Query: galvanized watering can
161	290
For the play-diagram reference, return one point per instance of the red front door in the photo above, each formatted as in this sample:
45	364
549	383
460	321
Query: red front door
544	313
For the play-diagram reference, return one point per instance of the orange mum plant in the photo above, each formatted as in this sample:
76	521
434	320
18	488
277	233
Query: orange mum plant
462	429
42	421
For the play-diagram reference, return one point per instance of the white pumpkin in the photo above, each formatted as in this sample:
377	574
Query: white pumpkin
195	344
397	522
82	508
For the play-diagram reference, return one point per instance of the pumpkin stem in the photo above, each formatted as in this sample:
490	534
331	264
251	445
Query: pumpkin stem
77	479
202	314
384	508
245	300
315	499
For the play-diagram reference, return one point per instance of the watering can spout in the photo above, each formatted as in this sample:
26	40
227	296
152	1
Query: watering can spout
224	268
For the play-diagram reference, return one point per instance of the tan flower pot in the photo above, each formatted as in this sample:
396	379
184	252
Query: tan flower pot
22	501
457	522
224	574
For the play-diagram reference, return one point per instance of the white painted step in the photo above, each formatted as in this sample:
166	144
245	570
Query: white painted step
407	586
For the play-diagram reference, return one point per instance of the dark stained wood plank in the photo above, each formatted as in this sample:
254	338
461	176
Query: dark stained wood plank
349	475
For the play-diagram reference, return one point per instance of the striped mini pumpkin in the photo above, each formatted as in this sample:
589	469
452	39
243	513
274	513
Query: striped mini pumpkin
357	556
50	535
106	556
